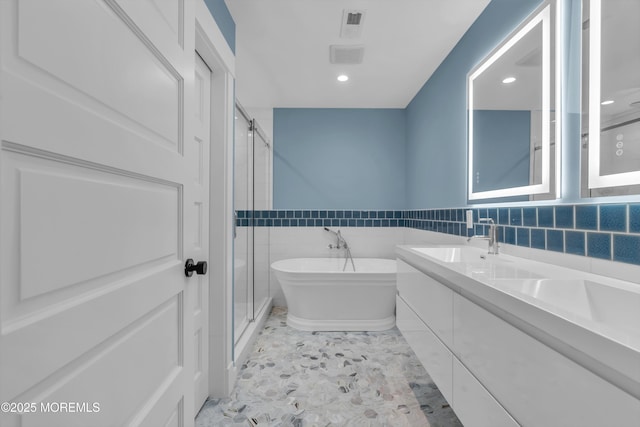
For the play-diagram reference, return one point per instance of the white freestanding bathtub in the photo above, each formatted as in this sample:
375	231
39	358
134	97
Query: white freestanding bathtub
322	297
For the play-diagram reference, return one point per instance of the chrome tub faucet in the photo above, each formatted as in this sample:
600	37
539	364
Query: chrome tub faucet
341	243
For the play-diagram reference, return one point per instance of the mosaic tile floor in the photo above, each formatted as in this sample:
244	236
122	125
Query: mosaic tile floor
295	378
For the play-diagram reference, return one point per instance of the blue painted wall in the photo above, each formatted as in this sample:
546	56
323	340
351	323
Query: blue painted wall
436	118
435	163
501	145
225	21
338	158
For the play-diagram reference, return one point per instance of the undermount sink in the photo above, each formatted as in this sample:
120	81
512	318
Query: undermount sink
612	306
458	254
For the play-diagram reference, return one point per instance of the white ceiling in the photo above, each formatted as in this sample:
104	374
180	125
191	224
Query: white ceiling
282	50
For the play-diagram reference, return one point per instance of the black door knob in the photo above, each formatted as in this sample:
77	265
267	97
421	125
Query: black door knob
190	266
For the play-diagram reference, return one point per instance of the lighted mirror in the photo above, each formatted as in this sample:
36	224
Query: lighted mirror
513	114
611	97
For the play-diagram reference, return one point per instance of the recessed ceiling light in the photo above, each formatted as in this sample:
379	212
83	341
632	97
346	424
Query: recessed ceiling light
509	80
608	102
343	78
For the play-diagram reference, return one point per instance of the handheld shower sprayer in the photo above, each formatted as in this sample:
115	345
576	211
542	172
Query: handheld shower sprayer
341	243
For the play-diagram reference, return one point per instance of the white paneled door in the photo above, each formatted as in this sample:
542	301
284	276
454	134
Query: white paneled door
103	198
200	245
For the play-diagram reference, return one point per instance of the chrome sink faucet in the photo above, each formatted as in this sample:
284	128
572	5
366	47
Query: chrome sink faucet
491	238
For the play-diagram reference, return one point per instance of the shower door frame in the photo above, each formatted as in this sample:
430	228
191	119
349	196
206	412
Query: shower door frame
253	129
250	237
257	130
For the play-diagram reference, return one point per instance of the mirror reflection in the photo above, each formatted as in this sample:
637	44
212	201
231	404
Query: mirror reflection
611	97
512	115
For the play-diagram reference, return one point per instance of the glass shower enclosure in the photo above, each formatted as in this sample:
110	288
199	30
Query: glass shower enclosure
252	193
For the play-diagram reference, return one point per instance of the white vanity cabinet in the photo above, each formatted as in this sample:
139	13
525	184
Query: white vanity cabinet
473	404
432	353
429	299
494	374
424	315
538	385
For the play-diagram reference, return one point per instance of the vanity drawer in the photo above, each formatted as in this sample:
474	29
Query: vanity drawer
429	299
473	404
434	356
538	385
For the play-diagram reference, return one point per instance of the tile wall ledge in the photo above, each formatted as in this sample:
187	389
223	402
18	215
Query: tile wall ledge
586	232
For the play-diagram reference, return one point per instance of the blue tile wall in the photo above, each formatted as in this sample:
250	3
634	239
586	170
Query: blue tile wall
538	240
493	214
634	218
555	240
564	216
515	216
509	235
522	237
607	231
587	217
599	245
574	241
503	214
545	216
625	248
325	218
613	218
530	217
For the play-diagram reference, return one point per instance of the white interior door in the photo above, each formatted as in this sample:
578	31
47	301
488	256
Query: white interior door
200	247
98	206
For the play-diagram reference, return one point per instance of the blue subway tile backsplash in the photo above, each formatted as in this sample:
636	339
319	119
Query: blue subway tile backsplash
555	240
545	216
587	217
575	242
599	245
538	240
503	216
564	216
613	218
530	217
493	214
515	216
626	248
522	237
510	235
607	231
634	218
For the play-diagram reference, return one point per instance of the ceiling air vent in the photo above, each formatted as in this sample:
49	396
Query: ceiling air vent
352	21
352	54
354	18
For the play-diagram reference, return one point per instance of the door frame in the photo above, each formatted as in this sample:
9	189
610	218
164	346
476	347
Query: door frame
212	47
